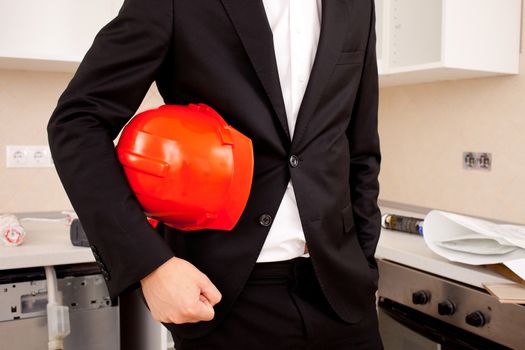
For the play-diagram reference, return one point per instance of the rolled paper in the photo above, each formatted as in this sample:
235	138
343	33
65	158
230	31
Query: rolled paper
12	232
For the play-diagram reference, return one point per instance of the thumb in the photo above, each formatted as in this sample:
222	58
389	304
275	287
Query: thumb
210	292
204	310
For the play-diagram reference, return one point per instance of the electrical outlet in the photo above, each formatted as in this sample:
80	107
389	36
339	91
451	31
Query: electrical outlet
34	156
477	160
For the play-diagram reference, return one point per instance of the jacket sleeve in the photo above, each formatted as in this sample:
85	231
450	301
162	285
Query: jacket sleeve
104	93
365	156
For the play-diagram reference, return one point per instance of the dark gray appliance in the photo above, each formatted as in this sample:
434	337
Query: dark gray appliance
23	298
420	311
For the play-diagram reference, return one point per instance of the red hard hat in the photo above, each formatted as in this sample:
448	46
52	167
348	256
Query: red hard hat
187	167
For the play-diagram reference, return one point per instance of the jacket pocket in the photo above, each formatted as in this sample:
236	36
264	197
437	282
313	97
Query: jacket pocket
351	57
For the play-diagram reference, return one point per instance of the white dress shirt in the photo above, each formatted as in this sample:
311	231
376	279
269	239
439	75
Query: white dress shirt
296	27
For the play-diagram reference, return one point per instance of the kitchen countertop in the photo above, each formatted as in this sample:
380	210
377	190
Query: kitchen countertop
47	243
411	250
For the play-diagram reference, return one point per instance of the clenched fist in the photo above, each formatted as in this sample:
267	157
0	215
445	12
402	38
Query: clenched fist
177	292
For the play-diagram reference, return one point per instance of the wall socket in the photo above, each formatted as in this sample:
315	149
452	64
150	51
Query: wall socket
477	160
33	156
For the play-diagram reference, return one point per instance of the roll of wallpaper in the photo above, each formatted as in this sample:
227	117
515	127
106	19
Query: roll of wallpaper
12	233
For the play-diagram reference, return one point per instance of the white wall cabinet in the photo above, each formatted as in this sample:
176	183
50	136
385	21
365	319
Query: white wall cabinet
417	40
50	34
431	40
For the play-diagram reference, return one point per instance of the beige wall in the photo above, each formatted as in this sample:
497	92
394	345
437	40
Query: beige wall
424	130
27	100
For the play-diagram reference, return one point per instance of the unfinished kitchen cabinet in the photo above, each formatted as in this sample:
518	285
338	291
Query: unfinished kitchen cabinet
431	40
50	34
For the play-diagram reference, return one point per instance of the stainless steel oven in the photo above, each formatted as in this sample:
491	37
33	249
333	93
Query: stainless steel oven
420	311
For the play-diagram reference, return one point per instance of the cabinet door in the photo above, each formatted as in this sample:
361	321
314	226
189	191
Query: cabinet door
60	30
433	40
415	32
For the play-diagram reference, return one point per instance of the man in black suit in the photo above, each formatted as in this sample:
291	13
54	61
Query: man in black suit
206	286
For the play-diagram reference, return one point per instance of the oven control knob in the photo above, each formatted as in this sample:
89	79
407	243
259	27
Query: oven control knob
421	297
446	308
476	319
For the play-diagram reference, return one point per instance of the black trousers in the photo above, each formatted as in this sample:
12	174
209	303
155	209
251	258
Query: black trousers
283	307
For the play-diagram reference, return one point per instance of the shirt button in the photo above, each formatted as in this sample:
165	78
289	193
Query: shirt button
265	220
294	161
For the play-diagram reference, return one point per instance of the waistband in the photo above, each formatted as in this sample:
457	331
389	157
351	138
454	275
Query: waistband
279	269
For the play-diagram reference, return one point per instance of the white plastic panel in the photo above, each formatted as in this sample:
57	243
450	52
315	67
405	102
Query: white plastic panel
429	73
415	32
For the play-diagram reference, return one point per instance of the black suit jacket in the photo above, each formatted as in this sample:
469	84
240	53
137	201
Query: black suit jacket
220	52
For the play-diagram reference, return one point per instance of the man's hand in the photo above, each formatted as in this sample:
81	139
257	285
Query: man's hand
177	292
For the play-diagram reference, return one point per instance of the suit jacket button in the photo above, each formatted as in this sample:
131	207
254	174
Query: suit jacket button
265	220
294	161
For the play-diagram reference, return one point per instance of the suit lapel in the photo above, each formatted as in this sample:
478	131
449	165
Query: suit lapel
334	28
250	21
251	24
